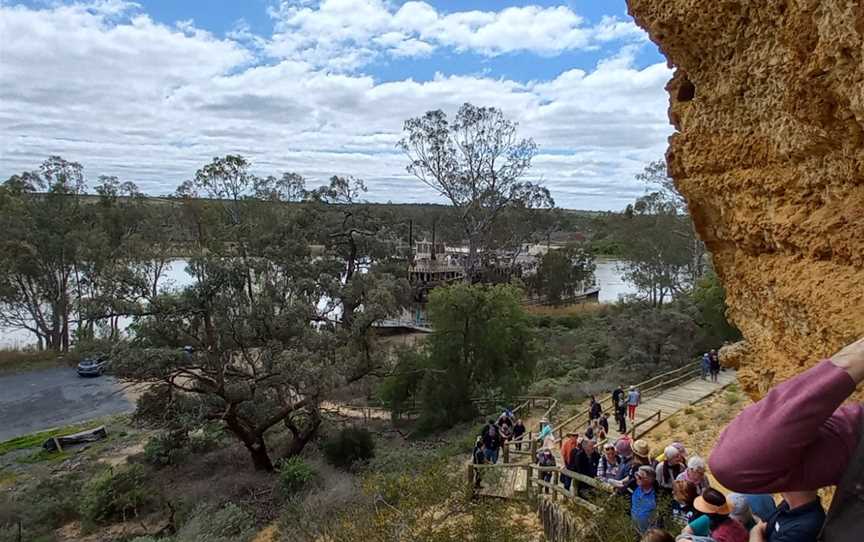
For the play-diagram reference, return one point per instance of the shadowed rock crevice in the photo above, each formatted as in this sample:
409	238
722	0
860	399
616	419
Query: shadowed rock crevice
769	152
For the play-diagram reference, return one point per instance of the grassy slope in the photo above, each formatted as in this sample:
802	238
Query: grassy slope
14	361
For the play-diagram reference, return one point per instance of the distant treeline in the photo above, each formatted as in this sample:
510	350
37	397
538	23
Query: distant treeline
564	225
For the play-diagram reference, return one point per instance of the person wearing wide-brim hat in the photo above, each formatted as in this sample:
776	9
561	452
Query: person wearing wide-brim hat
717	510
642	451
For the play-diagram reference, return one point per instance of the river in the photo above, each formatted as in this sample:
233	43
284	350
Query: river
608	276
610	279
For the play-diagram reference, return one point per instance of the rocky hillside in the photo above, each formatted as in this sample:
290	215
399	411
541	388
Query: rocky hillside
768	105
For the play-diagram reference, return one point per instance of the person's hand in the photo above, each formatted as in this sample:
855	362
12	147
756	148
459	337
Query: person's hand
687	530
851	359
757	533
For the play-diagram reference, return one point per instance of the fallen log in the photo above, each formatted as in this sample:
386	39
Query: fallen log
91	435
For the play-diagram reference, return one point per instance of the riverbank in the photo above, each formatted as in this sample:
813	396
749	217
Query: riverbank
17	361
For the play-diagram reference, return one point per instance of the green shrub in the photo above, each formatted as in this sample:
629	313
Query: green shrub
349	446
732	398
571	321
166	448
114	494
205	439
674	423
566	394
294	475
229	523
542	321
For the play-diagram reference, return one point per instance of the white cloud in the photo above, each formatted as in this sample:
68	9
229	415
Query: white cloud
356	31
151	103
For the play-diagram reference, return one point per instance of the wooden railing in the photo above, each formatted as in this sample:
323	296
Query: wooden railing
648	388
528	445
535	484
635	426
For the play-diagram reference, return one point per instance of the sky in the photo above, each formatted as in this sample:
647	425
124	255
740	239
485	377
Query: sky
150	91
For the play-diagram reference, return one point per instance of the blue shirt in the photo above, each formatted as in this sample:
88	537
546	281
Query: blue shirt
642	505
803	524
761	505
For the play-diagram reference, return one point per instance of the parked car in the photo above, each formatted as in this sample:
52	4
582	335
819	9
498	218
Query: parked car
94	366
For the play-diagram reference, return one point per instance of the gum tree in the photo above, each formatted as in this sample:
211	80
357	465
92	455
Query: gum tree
478	163
252	341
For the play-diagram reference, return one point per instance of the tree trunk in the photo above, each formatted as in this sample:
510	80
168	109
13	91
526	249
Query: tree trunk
254	443
472	260
302	436
260	458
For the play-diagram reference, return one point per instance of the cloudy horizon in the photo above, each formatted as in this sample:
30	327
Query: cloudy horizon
151	91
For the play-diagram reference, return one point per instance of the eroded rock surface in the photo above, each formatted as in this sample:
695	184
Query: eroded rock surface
768	103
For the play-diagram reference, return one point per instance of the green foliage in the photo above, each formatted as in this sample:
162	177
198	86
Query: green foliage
115	494
664	256
562	272
167	448
228	523
210	523
422	506
34	440
483	345
620	343
607	247
43	506
444	154
349	446
614	523
483	342
710	298
294	475
43	456
399	391
732	398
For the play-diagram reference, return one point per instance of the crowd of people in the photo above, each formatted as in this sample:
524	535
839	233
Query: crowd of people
671	493
799	438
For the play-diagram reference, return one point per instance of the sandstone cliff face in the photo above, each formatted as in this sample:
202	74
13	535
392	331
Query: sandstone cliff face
768	104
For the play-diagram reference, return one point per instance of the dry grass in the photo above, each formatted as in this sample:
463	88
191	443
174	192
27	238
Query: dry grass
564	310
698	427
12	360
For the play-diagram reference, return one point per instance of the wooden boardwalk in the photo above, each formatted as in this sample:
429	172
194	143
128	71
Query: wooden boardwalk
672	401
509	483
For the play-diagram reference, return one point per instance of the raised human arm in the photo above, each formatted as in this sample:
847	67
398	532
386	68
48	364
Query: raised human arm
851	360
798	437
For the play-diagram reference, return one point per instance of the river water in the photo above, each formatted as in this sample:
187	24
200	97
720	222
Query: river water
608	275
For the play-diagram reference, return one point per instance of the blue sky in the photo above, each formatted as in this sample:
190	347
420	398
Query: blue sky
152	90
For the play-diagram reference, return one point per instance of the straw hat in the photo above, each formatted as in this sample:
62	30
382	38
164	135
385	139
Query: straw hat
715	503
641	448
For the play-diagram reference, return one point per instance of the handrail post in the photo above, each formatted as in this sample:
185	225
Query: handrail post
470	479
506	452
555	484
528	485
